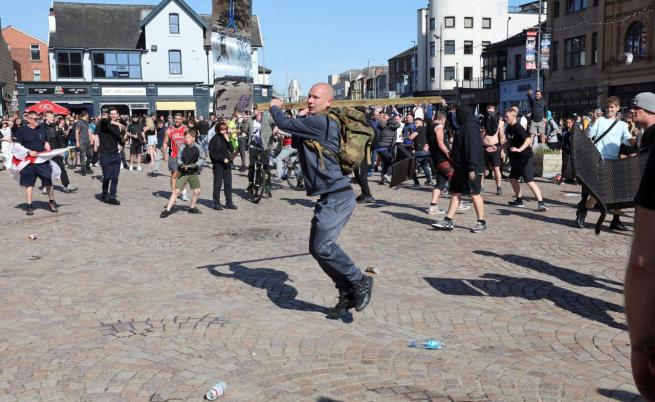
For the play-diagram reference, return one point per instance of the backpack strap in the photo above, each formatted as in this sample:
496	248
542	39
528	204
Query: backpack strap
606	131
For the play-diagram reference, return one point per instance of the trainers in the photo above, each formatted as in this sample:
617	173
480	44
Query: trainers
428	183
70	189
165	213
345	303
217	206
463	207
435	210
185	197
367	199
499	191
52	206
29	210
362	292
542	207
444	224
478	227
617	226
44	190
516	203
138	169
230	206
194	210
131	168
113	201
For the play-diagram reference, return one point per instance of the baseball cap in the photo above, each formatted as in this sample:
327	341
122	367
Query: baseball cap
645	100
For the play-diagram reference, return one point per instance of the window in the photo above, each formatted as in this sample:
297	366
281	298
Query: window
174	23
574	52
485	43
468	73
448	73
449	47
554	56
432	24
486	23
595	3
468	22
449	22
594	48
573	6
37	75
116	65
175	62
556	9
432	74
35	52
468	47
432	47
635	40
69	64
518	61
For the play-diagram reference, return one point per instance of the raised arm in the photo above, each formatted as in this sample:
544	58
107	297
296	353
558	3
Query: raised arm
312	127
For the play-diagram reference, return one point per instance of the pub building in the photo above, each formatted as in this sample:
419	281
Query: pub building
137	58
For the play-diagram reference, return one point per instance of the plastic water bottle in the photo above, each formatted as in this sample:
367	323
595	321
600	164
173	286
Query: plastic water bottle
216	391
429	344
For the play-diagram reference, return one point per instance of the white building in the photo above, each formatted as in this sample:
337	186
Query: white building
451	35
294	91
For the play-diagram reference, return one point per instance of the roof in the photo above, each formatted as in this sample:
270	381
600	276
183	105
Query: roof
264	70
24	33
512	41
256	39
408	52
88	25
184	7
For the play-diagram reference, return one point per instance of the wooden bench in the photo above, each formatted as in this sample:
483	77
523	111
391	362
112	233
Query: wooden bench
614	183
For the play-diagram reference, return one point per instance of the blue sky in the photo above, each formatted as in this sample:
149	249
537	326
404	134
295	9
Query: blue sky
306	40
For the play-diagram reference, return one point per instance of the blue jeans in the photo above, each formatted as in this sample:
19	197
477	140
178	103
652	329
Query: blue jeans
387	158
331	213
422	159
110	163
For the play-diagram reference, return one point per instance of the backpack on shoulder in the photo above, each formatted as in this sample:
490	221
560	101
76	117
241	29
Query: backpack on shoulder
356	140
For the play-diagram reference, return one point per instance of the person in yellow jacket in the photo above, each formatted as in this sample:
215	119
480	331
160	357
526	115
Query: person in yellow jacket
233	131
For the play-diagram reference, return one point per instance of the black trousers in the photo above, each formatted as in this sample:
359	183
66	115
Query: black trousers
243	147
111	169
59	160
222	176
361	177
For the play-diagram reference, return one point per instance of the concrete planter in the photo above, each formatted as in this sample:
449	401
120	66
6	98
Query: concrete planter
547	165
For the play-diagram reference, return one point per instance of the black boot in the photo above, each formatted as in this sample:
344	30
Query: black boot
617	225
362	292
346	302
580	216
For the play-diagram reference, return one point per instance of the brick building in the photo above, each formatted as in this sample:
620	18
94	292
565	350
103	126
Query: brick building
29	55
7	84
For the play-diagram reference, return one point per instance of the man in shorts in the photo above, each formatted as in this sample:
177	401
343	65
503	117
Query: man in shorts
468	165
33	137
190	161
521	161
493	138
174	138
537	115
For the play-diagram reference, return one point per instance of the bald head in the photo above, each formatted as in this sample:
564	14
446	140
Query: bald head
320	98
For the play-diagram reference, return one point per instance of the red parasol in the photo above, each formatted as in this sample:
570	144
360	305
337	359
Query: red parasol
48	106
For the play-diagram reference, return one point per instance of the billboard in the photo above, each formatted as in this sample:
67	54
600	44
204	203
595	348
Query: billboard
231	52
544	55
531	51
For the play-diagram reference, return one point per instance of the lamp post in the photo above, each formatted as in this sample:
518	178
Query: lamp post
440	39
507	31
414	65
539	45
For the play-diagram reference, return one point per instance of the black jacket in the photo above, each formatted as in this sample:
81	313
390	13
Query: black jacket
55	137
110	137
219	149
387	135
467	152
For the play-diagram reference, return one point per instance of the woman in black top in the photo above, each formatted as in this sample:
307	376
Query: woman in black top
220	150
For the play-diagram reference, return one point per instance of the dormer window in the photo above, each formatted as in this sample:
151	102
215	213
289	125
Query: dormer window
174	23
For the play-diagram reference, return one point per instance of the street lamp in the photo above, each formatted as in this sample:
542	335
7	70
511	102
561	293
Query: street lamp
414	65
440	39
508	20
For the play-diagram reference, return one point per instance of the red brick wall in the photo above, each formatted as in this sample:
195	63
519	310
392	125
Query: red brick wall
19	43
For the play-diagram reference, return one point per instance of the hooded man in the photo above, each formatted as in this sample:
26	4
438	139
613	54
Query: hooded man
468	164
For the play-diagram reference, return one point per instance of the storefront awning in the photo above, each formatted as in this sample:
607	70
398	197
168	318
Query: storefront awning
179	105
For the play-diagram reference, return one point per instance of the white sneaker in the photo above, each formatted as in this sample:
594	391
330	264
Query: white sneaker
121	168
138	169
463	208
185	197
131	168
435	210
44	190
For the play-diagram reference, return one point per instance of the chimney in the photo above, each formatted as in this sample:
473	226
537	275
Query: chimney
52	22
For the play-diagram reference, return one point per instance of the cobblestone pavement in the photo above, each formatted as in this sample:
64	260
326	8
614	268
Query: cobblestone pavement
116	304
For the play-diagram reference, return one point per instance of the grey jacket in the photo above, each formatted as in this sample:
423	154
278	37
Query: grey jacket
317	127
201	158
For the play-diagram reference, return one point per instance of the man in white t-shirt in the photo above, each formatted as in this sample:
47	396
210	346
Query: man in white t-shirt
418	112
5	132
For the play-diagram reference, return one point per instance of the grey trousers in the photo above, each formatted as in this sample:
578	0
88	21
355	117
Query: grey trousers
86	154
331	213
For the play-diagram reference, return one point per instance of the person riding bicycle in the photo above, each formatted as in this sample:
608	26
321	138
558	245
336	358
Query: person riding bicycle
261	144
286	152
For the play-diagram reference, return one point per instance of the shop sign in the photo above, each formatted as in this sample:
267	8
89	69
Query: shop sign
123	91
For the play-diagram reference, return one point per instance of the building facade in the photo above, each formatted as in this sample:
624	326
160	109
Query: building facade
29	55
451	36
401	73
7	83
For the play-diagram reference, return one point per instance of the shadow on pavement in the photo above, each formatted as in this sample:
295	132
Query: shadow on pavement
273	281
300	201
619	395
326	399
495	285
564	274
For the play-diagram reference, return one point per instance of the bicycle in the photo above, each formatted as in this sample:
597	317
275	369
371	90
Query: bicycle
293	172
261	175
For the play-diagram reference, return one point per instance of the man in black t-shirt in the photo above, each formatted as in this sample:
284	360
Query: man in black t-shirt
521	161
34	138
640	276
421	151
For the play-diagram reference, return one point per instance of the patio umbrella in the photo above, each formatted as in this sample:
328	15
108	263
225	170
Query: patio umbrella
48	106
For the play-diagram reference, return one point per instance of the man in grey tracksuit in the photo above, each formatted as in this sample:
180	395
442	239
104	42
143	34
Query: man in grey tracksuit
323	178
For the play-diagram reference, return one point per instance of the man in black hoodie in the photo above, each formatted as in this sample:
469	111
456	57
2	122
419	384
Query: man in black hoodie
57	139
468	163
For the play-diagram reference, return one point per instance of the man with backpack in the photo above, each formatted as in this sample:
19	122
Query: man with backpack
317	137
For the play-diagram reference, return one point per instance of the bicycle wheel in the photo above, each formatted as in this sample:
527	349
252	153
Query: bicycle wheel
294	177
258	183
